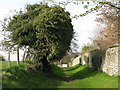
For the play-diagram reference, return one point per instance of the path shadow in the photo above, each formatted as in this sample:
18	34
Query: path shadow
82	74
77	66
19	77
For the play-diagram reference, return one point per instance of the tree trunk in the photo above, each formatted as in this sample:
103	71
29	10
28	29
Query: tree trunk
45	65
9	57
24	56
17	55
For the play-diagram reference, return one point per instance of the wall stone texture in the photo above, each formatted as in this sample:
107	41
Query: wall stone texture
110	64
76	61
107	61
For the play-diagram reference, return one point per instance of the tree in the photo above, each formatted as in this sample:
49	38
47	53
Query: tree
47	30
108	36
2	58
8	47
18	61
6	44
87	47
9	64
96	5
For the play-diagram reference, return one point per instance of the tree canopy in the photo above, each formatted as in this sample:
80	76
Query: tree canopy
87	47
46	29
96	5
109	35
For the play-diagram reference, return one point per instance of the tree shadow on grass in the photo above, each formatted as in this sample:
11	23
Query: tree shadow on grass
18	77
81	74
73	68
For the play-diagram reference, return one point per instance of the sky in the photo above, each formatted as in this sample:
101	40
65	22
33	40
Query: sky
83	26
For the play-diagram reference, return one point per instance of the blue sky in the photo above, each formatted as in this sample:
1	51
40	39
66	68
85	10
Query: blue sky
83	26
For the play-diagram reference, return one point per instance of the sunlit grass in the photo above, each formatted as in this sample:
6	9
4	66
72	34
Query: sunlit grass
20	77
5	64
85	77
80	77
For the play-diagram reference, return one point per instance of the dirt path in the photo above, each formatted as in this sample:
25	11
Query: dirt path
68	78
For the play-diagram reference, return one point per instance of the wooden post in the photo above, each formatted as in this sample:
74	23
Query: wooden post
9	57
17	55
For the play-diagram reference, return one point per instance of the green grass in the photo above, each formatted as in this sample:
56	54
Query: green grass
5	64
84	77
71	77
20	77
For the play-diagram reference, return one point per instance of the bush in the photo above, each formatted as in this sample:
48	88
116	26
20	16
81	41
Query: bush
2	58
96	59
29	62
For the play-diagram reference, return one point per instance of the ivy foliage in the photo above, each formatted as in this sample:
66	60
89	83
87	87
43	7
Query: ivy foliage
87	47
46	29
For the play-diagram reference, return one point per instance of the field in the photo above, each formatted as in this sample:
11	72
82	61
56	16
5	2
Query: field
79	76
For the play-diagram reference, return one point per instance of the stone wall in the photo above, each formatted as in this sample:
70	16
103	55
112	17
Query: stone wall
82	59
106	61
110	64
85	58
76	61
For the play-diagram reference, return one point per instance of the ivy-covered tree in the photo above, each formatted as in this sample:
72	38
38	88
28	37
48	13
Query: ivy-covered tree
46	29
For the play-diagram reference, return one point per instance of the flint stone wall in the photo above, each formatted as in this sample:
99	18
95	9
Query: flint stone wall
110	64
76	61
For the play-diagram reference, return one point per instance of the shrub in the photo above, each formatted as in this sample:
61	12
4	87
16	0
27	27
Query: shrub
2	58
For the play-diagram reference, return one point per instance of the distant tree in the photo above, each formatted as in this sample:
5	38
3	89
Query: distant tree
66	59
2	58
6	43
108	36
8	47
47	30
9	50
87	47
